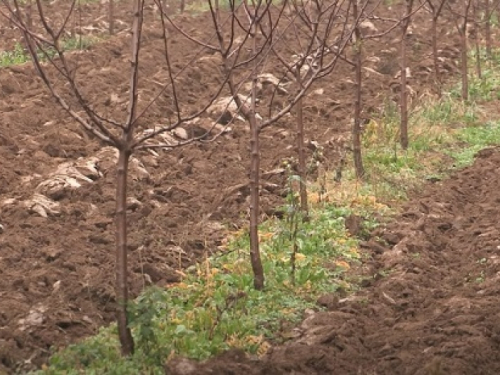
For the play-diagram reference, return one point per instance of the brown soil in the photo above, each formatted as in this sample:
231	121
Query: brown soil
56	283
435	313
90	19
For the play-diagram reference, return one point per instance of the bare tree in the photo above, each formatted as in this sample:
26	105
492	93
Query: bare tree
312	17
489	9
126	136
461	20
487	27
356	127
477	47
436	10
403	99
359	39
301	17
250	114
403	22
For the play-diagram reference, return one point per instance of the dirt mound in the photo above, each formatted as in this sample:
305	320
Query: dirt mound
57	256
437	310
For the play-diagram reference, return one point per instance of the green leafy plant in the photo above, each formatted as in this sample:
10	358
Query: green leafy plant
16	57
20	56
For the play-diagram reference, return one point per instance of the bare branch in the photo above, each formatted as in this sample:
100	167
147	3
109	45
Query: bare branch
134	64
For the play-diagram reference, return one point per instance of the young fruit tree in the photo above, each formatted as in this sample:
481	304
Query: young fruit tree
403	104
309	26
127	133
461	16
356	126
435	8
364	32
323	32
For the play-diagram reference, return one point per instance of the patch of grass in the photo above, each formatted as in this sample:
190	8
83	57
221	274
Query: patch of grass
391	171
197	7
21	56
82	42
473	140
203	6
444	134
16	57
486	88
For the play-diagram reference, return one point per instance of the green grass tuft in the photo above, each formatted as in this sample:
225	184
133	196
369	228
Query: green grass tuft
21	56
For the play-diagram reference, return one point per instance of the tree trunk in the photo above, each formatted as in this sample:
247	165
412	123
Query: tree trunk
487	29
403	100
463	62
121	288
437	73
476	42
356	127
257	268
462	30
255	259
304	207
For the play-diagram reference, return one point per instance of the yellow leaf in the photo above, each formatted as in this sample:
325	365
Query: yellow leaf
266	236
179	272
300	256
233	341
263	348
307	285
353	251
171	355
343	264
254	339
313	197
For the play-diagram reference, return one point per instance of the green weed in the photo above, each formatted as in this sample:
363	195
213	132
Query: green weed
21	56
473	139
16	57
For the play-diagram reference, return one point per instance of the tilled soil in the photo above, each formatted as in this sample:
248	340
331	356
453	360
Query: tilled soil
89	19
56	272
437	310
